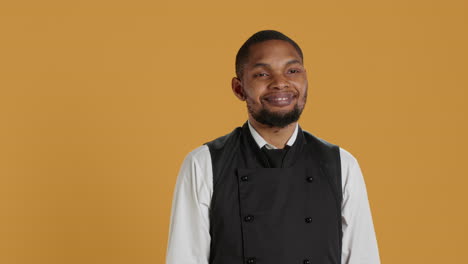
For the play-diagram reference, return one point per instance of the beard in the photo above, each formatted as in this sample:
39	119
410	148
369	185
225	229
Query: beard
273	119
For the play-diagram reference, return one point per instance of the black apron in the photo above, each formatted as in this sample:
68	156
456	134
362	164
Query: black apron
285	215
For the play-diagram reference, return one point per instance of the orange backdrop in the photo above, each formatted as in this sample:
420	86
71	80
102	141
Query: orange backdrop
100	101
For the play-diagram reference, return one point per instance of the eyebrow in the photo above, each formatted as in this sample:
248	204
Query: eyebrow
261	64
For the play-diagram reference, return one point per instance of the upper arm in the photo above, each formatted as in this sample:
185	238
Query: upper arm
359	239
189	237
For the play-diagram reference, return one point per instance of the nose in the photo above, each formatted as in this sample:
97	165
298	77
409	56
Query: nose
279	81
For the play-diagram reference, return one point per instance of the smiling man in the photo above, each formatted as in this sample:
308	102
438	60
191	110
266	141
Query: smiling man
269	191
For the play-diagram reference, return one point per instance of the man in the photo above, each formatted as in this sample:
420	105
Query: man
270	192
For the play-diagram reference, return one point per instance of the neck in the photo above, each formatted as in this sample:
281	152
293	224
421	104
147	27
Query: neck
276	136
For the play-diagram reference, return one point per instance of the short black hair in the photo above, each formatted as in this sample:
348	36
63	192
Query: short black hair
261	36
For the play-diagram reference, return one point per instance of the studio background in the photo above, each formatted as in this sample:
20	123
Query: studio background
100	101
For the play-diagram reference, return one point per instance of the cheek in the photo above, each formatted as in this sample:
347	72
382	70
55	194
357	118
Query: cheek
303	90
252	100
252	95
302	86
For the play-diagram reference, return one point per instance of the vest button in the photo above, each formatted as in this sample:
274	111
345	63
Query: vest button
244	178
251	260
306	261
308	220
310	179
249	218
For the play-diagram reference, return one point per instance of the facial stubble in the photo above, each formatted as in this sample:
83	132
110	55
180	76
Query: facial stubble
275	119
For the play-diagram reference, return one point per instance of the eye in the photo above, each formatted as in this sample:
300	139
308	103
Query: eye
294	71
262	74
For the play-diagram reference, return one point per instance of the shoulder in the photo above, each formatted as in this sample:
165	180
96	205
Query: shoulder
347	158
198	157
196	169
350	171
309	137
195	176
223	148
223	141
201	156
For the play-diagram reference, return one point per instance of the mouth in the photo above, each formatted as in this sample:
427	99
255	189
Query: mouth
279	99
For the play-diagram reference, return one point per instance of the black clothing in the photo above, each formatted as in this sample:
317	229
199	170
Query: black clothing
283	207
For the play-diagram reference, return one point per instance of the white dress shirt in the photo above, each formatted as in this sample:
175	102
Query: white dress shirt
189	237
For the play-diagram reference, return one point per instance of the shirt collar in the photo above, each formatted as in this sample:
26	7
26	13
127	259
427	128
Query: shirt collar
261	142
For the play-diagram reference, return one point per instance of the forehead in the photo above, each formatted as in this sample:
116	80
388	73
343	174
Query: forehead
272	50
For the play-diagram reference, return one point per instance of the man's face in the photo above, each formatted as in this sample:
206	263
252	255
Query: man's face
273	83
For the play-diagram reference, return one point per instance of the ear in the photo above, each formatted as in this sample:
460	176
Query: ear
236	85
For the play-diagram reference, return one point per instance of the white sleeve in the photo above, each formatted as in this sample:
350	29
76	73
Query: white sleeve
189	237
359	239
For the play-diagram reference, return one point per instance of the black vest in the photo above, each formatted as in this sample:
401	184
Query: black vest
281	215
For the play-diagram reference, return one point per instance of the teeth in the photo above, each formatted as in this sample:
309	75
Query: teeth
279	98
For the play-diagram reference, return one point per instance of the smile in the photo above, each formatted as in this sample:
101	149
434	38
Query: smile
279	99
